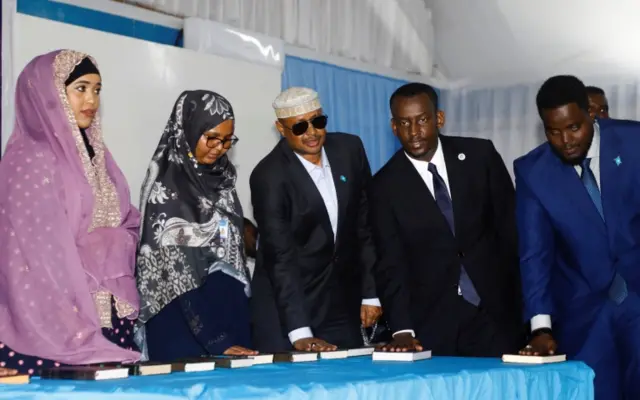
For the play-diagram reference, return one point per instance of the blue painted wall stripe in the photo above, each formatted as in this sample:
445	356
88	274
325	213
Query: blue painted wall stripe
98	20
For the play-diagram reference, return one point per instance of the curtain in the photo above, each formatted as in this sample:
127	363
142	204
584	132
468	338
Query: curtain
509	117
623	96
356	102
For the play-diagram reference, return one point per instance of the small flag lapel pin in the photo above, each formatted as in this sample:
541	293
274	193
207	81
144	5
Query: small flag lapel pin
618	160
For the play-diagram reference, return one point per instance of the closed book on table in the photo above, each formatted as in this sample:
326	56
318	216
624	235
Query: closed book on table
407	356
193	365
224	361
262	359
142	369
295	357
85	373
520	359
14	379
360	352
148	369
332	355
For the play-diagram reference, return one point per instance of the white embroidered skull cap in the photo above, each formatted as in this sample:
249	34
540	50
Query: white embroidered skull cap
296	101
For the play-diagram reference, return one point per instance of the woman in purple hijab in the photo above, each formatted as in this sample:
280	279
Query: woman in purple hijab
68	232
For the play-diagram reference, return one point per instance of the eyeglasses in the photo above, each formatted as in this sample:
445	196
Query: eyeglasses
213	142
299	128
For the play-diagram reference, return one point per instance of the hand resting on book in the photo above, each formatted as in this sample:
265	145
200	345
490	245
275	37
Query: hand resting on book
313	344
8	372
540	345
239	351
402	342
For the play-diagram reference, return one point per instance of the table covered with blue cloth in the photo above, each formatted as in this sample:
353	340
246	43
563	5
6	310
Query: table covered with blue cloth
354	378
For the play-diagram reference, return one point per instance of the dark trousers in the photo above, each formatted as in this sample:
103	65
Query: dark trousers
458	328
204	321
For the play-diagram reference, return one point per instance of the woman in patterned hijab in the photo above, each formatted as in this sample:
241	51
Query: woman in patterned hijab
191	268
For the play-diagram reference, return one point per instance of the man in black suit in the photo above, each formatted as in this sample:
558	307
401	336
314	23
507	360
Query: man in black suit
313	279
443	211
598	103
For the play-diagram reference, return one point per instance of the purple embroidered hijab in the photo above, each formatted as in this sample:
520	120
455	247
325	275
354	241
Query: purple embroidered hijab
68	233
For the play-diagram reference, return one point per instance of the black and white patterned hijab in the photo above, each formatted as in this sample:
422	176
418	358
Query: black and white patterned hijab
183	206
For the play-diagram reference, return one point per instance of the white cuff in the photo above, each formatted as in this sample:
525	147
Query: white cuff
413	334
540	321
300	333
371	302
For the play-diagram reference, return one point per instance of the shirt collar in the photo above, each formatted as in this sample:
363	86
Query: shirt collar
309	166
594	150
437	159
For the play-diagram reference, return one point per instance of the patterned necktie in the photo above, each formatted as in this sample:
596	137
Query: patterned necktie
589	182
443	201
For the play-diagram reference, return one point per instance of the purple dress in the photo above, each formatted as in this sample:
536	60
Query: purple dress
121	334
68	231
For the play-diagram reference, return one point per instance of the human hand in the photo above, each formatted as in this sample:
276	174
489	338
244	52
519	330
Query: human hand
239	351
540	345
402	342
313	344
369	315
8	372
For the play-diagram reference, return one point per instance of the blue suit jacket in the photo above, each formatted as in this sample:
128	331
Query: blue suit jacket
568	254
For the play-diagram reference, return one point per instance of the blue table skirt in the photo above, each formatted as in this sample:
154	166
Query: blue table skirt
355	378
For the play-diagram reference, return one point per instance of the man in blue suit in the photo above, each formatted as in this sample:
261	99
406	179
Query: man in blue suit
578	214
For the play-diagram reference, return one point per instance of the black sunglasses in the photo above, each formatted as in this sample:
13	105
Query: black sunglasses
213	142
299	128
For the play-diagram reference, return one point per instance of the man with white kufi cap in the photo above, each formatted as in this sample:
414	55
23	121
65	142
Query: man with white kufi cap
313	280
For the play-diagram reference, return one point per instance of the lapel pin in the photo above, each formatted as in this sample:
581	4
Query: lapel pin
462	156
343	178
618	160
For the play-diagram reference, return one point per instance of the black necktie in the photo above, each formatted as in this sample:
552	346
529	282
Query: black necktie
443	201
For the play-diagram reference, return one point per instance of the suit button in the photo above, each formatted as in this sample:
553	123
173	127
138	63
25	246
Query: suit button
460	254
335	259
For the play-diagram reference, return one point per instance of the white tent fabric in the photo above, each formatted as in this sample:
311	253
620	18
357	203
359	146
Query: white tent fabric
394	34
495	52
502	42
508	116
223	40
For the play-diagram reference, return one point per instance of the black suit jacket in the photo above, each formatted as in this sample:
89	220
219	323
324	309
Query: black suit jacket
420	258
313	281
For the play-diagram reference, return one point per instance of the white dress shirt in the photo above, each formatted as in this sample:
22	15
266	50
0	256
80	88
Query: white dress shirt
423	170
544	320
323	179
